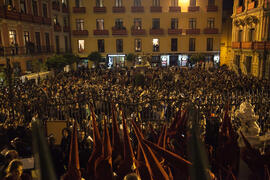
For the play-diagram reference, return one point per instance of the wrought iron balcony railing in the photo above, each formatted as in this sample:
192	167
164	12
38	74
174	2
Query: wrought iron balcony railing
25	50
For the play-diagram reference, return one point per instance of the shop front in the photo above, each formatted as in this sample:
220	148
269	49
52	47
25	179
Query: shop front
183	60
155	62
173	61
116	60
165	60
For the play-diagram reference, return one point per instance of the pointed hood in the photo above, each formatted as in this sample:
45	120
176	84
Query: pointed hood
139	151
226	126
153	133
116	140
182	121
179	124
97	148
96	135
155	169
103	165
266	172
128	151
173	159
162	137
74	172
176	118
106	148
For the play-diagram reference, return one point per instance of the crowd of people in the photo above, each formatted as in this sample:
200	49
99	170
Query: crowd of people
152	96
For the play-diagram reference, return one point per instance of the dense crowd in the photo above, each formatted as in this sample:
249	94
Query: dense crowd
153	96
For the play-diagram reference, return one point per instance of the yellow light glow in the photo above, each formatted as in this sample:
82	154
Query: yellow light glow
184	5
183	1
155	42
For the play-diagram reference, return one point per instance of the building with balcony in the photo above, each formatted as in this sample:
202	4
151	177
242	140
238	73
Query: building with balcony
60	17
32	31
26	33
226	52
169	31
251	37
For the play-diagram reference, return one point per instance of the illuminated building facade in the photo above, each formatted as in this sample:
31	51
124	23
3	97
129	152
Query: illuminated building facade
30	32
226	52
251	37
167	31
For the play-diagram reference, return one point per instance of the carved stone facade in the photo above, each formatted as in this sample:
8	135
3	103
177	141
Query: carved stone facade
251	36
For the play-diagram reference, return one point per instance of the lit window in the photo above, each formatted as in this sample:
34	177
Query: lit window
99	3
79	24
138	23
174	23
211	23
55	20
100	24
174	3
118	3
155	45
192	23
81	46
138	45
156	3
12	37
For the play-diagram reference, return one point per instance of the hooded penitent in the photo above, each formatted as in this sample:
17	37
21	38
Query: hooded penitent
74	172
97	148
155	169
104	162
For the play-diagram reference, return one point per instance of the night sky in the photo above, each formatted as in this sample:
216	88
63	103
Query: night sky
227	4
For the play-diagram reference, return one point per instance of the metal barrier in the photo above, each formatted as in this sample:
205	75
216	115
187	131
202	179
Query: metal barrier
159	111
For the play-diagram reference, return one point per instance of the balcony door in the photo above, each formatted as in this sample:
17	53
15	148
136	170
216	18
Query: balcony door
248	63
237	61
57	44
38	43
47	41
192	3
